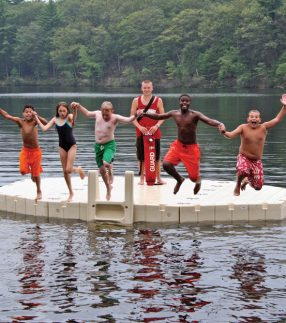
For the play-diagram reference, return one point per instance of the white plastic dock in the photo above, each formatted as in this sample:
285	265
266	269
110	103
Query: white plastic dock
131	203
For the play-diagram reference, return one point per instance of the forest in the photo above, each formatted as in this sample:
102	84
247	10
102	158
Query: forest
111	43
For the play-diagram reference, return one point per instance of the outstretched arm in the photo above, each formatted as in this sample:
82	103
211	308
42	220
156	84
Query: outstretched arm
83	110
280	115
122	119
43	120
46	126
7	116
160	116
209	121
231	134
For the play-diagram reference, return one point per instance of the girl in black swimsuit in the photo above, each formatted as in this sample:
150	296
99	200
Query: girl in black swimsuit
64	122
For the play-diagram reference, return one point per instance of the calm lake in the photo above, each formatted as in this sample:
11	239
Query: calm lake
66	271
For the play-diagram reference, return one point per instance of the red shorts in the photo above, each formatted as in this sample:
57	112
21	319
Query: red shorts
30	161
189	155
252	169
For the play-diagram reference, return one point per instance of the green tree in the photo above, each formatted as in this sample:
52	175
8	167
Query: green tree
4	43
217	35
254	36
135	39
230	66
29	45
49	20
188	42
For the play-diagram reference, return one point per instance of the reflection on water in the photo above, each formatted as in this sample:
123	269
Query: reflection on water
78	272
250	271
31	272
64	266
160	271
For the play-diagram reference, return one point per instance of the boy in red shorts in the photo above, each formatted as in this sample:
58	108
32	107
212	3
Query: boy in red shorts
30	155
253	135
185	149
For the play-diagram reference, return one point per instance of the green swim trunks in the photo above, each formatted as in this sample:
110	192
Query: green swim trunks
104	152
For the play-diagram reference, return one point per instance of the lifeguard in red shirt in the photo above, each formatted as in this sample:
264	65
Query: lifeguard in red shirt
147	126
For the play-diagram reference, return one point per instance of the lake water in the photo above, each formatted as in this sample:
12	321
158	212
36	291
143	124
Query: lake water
66	271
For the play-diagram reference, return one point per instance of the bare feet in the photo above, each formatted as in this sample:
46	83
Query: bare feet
70	198
197	187
141	182
108	192
244	182
38	197
81	173
236	191
178	185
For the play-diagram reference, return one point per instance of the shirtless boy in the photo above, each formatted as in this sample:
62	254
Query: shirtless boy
30	155
105	145
253	135
185	149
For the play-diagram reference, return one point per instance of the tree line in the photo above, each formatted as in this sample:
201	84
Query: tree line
198	43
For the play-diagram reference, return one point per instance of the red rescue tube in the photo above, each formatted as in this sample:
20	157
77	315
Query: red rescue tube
150	159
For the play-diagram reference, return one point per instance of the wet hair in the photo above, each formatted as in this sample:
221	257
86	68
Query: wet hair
28	106
187	95
107	105
62	104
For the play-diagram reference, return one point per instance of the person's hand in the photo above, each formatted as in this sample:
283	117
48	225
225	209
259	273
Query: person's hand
283	100
74	105
35	114
143	130
221	128
153	129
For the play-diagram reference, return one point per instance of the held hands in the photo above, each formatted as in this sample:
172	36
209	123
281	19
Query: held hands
35	115
74	105
221	128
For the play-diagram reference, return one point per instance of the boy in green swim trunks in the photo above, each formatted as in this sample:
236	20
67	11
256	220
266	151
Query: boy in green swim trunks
105	145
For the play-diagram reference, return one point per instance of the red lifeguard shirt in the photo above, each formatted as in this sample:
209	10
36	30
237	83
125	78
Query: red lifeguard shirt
147	122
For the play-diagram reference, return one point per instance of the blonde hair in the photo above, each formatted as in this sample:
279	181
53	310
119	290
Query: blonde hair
107	105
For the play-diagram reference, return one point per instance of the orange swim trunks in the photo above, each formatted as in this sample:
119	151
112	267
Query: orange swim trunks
189	155
30	161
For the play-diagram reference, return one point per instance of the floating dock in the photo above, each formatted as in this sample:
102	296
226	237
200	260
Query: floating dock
132	203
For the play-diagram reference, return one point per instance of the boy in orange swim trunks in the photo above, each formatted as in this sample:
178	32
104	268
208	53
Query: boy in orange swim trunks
30	155
185	149
253	135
